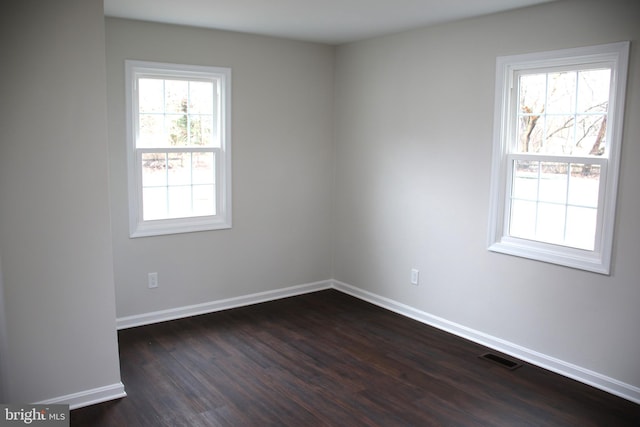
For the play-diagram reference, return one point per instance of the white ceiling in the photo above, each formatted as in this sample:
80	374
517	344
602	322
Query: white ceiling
324	21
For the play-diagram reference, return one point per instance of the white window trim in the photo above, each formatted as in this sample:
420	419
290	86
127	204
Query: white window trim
598	260
222	220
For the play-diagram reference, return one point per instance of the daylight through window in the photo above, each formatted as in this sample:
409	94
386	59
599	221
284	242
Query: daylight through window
179	148
558	127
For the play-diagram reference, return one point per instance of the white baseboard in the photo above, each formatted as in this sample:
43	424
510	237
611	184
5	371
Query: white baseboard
558	366
89	397
219	305
595	379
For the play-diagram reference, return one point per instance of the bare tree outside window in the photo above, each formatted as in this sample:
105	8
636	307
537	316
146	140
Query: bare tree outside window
179	148
556	155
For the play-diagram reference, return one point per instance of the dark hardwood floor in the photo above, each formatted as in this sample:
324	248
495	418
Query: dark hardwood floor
328	359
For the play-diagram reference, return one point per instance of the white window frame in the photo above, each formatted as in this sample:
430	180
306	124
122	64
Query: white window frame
615	55
138	227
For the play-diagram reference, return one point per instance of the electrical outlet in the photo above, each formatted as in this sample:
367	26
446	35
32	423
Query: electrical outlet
415	276
153	280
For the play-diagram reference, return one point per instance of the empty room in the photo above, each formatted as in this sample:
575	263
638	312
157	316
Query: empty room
247	213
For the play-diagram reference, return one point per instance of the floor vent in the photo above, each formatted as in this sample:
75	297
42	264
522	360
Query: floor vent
499	360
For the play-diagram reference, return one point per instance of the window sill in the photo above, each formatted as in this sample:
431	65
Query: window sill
178	226
553	254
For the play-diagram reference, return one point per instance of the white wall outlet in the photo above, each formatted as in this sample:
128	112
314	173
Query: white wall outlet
415	276
153	280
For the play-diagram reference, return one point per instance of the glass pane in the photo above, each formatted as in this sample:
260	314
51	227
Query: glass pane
554	179
154	201
151	131
180	201
179	169
530	134
561	95
559	135
584	185
563	113
591	135
176	95
593	91
581	226
525	180
204	200
201	97
177	127
201	130
523	219
532	93
154	169
151	95
203	168
550	224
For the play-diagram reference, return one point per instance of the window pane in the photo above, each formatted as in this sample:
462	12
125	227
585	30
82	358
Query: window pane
154	200
203	168
201	130
525	180
177	113
554	179
204	200
593	91
530	133
563	113
179	169
561	94
151	95
178	185
151	131
584	185
180	201
560	132
154	169
591	136
523	219
532	93
177	128
550	223
553	186
544	194
581	226
176	95
201	97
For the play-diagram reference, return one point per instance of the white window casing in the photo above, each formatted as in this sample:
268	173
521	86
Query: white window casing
199	197
596	255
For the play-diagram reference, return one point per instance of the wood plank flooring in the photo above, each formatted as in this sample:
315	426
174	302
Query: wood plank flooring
328	359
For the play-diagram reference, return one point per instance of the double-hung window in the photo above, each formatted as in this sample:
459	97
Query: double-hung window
179	148
557	137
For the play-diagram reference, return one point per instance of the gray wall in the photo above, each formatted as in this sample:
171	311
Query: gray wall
4	348
413	117
55	241
282	147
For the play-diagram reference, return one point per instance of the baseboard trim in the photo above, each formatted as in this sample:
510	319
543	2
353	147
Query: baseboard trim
89	397
219	305
586	376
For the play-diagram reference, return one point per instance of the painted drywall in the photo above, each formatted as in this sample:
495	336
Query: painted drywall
413	120
55	240
282	147
4	348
